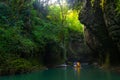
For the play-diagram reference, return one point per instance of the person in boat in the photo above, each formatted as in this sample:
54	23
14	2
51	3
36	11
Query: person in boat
77	64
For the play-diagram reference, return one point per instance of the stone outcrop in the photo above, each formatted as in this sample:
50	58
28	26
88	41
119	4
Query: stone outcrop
102	29
112	19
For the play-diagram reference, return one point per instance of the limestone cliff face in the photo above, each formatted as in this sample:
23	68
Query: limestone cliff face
102	28
112	20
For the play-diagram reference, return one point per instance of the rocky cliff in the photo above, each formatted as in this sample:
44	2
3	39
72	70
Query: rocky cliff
102	29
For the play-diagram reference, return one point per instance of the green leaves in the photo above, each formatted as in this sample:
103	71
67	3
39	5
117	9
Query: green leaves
118	6
20	65
4	14
41	34
73	22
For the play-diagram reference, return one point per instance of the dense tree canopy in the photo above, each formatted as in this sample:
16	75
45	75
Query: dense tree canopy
35	33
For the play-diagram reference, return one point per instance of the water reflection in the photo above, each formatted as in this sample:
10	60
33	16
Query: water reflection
77	72
68	73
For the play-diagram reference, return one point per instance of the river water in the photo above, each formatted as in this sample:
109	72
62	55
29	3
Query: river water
67	73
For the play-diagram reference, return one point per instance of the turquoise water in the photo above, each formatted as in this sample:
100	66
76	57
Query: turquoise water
68	73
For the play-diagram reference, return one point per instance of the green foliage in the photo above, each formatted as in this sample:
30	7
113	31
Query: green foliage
19	66
15	13
73	22
54	13
46	34
118	6
13	42
29	38
8	38
92	2
26	46
4	14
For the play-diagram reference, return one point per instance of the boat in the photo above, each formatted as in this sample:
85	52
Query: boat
77	65
62	65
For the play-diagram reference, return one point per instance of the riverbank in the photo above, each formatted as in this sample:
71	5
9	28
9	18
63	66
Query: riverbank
21	71
19	66
111	68
115	68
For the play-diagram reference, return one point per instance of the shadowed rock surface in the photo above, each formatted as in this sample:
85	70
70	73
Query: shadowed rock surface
102	29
